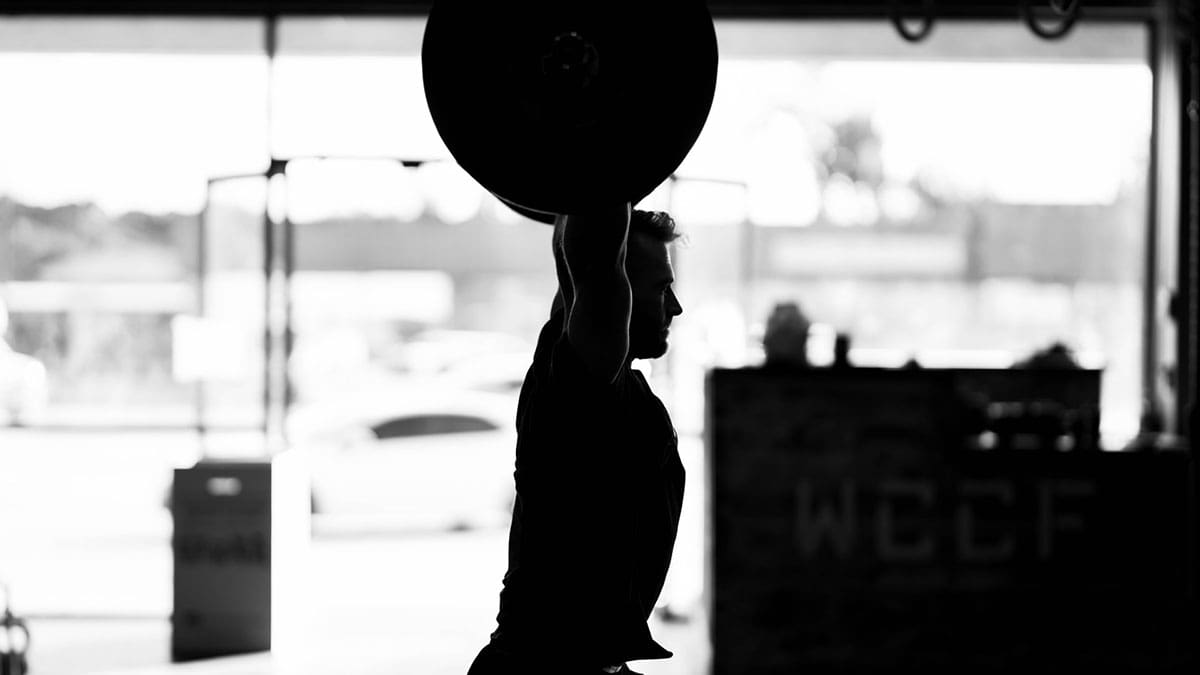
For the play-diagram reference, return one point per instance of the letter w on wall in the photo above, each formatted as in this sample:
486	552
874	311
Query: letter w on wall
830	518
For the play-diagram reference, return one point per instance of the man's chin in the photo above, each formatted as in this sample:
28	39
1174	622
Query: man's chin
651	351
663	348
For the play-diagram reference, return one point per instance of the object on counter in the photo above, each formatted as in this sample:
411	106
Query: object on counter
1056	356
1035	425
785	341
841	351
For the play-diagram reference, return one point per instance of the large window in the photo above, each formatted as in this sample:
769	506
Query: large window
109	129
108	132
966	200
963	201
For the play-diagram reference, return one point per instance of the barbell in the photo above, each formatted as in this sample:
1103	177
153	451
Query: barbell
560	106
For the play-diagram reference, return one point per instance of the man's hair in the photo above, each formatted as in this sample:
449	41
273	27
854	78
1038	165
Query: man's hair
658	225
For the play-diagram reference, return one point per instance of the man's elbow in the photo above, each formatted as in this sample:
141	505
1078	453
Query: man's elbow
604	356
608	368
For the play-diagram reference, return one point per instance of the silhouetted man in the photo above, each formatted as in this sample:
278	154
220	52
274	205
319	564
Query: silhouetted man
598	476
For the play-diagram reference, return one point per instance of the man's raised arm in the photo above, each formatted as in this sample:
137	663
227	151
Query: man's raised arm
600	301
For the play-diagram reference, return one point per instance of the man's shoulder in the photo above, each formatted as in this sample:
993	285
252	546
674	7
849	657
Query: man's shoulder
566	368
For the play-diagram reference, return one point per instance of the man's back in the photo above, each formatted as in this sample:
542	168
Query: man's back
599	488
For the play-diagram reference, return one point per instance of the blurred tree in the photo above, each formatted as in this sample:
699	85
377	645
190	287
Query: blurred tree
36	239
856	151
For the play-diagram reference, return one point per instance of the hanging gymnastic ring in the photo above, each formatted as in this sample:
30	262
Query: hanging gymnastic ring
925	28
1068	10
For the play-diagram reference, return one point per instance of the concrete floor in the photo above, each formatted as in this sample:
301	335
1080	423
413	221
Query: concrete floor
85	548
390	603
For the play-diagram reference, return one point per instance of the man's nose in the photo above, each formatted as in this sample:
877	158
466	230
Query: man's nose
675	308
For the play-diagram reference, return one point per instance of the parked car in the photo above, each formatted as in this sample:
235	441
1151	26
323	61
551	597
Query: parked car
434	459
23	390
23	386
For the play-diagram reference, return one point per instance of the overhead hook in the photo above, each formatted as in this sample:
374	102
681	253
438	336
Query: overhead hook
1064	7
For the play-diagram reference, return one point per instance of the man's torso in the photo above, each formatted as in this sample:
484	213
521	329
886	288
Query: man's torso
589	455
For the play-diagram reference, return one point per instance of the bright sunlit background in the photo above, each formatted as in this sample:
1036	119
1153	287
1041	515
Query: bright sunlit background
966	201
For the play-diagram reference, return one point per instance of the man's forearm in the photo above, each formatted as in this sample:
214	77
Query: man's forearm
594	244
594	249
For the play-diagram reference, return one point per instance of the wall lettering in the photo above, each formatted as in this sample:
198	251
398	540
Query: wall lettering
905	517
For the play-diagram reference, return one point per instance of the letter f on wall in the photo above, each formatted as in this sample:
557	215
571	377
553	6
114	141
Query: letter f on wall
831	518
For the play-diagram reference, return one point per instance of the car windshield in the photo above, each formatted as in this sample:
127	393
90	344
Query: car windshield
427	425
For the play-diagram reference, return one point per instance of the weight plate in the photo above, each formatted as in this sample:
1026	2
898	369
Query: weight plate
560	106
538	216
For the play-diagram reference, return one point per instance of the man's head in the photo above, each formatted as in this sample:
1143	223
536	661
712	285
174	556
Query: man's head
648	266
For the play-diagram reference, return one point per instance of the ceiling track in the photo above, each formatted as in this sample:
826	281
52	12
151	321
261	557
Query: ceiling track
1097	10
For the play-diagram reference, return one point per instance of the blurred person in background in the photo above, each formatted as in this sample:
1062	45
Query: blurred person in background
785	341
22	381
598	475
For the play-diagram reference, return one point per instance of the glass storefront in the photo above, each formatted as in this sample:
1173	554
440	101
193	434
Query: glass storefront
966	201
